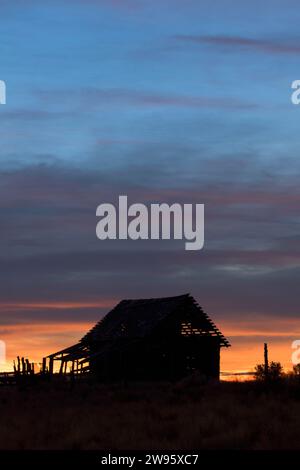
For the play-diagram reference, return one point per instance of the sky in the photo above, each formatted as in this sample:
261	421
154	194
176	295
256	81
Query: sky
163	101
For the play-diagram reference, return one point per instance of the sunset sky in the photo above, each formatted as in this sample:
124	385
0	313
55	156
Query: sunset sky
163	101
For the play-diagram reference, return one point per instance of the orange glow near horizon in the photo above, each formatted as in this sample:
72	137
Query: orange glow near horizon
247	337
247	342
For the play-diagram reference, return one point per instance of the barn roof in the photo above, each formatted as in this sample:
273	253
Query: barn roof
138	318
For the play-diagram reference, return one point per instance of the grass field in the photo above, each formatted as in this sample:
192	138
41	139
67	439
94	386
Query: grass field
186	415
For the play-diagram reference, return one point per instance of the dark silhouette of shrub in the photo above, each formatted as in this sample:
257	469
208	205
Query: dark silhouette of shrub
296	370
274	371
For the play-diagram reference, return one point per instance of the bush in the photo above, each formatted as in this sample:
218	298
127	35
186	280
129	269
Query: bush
274	372
296	370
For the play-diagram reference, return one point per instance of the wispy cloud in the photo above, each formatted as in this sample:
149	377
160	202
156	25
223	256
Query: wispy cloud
240	42
92	97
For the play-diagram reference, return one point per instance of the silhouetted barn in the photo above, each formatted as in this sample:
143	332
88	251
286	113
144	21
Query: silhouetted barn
148	339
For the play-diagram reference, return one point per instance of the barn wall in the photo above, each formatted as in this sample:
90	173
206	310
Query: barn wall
154	359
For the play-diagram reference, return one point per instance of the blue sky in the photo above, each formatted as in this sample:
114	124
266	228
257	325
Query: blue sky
165	101
163	72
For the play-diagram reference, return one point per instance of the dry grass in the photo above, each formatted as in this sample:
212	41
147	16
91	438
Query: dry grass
188	415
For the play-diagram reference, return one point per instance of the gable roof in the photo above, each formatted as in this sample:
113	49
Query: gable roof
138	318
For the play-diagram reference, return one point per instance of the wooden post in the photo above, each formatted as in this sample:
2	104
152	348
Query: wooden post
23	366
44	366
72	371
51	366
19	364
266	360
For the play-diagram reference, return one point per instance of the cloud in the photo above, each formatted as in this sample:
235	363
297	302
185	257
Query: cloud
242	43
92	97
37	115
50	255
129	5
